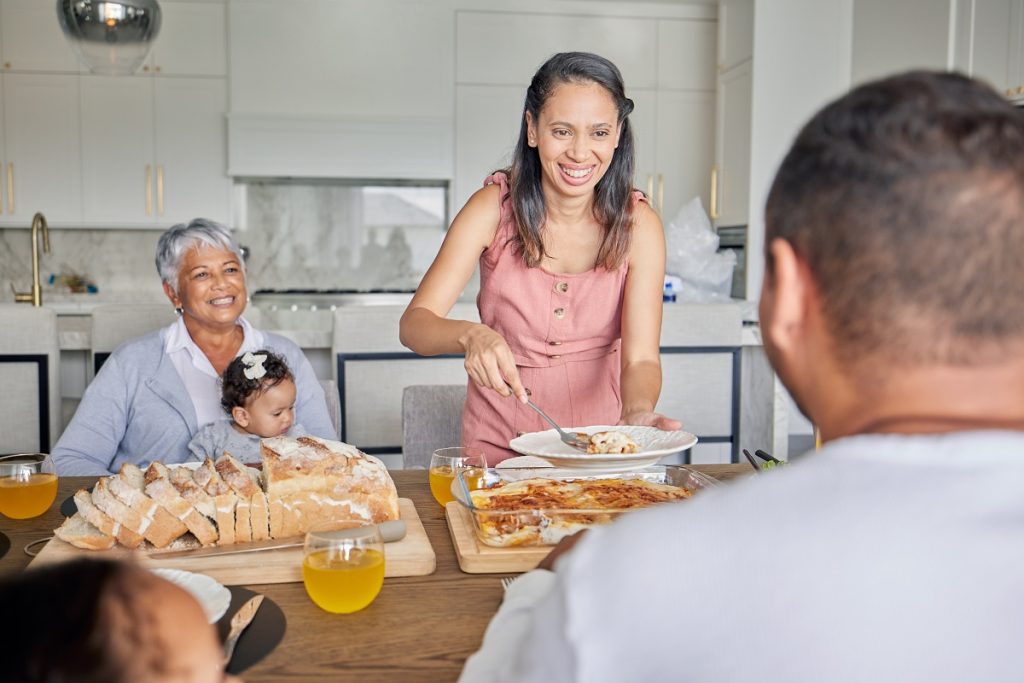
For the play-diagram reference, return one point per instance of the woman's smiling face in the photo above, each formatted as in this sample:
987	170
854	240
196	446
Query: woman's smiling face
575	135
211	286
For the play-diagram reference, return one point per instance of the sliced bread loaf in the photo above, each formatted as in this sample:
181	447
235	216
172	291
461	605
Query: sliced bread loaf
81	534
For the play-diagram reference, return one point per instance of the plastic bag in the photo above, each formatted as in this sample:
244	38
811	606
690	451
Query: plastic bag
693	256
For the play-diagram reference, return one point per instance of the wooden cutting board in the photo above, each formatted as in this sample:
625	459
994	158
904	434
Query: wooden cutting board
412	556
476	558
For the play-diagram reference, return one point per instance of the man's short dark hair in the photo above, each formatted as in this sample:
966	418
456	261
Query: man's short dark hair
905	198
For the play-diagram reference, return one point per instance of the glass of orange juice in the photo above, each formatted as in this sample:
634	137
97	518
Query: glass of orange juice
343	571
28	485
445	462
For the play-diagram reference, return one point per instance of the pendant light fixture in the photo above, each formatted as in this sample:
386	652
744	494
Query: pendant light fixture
111	38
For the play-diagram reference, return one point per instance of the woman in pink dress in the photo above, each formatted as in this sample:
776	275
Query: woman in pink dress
572	266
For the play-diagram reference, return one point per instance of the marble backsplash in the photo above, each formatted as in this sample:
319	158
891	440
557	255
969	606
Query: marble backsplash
119	262
299	236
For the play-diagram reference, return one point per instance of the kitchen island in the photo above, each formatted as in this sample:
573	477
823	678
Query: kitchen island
418	629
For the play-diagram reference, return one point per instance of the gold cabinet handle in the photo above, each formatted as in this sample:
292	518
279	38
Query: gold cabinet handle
714	193
160	189
10	187
149	190
661	192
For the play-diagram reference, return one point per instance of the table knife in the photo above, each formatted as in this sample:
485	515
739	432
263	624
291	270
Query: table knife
242	618
389	531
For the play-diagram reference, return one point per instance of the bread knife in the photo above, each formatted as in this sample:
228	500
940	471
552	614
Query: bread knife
389	531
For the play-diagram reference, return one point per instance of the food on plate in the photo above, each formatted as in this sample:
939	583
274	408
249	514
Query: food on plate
542	511
612	442
306	484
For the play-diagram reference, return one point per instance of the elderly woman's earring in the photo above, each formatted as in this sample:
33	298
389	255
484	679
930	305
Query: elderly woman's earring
179	310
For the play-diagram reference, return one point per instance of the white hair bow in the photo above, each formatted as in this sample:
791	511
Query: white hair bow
254	365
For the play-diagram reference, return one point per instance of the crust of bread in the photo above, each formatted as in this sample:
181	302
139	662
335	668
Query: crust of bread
115	508
333	469
163	527
308	484
103	521
181	478
81	534
243	522
241	479
162	490
259	516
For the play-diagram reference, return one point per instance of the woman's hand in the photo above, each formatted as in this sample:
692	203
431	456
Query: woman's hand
489	361
647	418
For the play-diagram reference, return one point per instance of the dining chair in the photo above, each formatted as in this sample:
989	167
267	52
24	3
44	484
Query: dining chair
330	388
114	324
30	377
431	419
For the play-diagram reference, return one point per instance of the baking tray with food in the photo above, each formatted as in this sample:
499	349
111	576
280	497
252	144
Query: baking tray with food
521	507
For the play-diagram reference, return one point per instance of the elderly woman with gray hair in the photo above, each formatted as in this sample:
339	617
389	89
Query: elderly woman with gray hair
155	392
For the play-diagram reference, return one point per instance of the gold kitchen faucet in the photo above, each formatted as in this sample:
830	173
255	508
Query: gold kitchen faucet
35	297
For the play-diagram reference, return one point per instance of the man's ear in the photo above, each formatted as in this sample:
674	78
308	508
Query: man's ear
790	290
241	416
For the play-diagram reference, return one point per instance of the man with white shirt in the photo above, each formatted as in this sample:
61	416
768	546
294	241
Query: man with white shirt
895	258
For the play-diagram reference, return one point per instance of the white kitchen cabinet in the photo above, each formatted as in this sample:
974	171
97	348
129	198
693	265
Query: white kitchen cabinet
346	58
153	153
487	118
41	169
507	48
735	32
32	40
667	66
191	150
686	54
3	157
117	150
989	43
673	131
192	40
685	148
731	203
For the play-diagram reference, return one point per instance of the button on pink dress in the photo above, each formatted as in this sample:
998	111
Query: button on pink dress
564	331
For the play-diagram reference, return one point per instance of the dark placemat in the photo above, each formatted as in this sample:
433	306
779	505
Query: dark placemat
5	544
68	507
264	633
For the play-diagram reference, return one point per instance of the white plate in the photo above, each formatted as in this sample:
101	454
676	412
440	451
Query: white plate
214	597
654	444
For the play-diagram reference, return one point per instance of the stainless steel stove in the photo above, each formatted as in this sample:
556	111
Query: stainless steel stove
328	299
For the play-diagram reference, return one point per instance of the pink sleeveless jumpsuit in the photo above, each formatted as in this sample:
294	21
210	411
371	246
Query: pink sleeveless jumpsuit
565	333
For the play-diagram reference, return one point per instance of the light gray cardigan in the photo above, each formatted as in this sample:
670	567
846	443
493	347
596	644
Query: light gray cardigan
137	409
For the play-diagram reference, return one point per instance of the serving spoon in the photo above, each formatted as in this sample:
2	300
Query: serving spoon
579	440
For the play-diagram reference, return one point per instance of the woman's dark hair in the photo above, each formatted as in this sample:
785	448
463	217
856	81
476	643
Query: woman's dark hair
236	388
612	205
81	621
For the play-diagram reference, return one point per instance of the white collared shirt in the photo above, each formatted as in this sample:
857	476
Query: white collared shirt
201	381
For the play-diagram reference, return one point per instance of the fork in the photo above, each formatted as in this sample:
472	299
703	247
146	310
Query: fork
507	581
574	441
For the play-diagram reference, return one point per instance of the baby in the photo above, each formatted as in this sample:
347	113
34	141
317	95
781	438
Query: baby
258	392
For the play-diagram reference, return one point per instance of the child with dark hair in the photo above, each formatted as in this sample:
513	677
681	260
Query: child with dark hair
104	621
258	393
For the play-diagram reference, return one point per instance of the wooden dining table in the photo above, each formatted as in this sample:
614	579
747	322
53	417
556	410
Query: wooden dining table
419	628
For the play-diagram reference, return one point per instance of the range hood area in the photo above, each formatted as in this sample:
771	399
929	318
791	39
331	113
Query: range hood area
335	96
